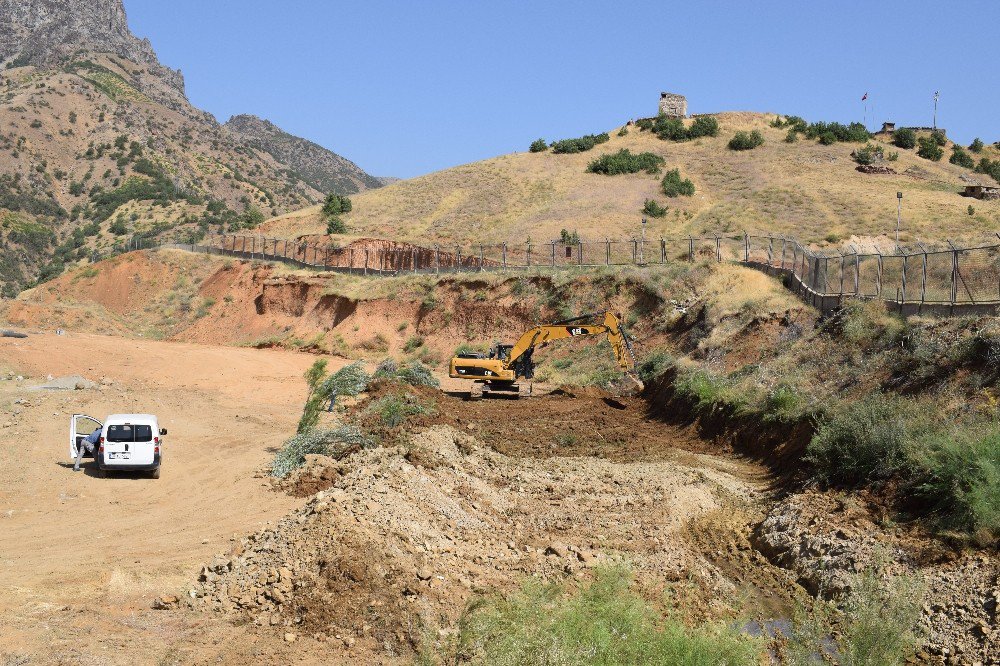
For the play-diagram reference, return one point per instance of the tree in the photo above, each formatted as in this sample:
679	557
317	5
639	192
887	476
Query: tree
977	145
929	149
905	138
335	225
538	146
704	126
336	204
961	158
569	238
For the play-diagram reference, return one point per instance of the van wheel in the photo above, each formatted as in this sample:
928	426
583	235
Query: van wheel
102	473
156	473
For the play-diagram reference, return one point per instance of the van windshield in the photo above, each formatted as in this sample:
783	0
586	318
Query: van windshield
130	433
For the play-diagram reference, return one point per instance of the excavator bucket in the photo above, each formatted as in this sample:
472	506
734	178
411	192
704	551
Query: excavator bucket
628	385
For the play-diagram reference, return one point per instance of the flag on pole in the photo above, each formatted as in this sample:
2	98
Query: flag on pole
865	97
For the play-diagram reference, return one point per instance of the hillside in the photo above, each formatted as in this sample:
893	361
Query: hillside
802	188
98	142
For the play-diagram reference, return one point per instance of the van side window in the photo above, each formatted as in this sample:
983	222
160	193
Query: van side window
130	433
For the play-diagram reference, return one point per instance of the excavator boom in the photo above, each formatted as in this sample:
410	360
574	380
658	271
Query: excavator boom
508	363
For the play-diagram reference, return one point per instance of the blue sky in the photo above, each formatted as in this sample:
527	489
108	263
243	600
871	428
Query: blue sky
406	88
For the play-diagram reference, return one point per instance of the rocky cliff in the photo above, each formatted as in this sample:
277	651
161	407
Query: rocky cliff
48	32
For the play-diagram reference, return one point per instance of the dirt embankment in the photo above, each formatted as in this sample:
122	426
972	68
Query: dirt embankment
170	294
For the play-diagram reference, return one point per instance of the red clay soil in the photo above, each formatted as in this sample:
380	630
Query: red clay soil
377	254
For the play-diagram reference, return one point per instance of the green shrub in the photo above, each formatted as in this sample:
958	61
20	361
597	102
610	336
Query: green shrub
645	124
569	237
674	186
855	132
118	227
393	410
746	140
989	167
623	131
971	210
538	146
863	442
350	380
939	138
704	389
653	209
583	144
416	373
337	443
704	126
868	154
961	158
783	403
670	129
977	145
654	365
413	344
959	478
335	225
792	136
929	149
905	138
624	161
604	622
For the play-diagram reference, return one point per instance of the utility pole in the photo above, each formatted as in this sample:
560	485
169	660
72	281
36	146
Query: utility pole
936	96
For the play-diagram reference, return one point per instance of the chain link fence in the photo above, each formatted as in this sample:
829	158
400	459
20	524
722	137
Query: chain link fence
919	276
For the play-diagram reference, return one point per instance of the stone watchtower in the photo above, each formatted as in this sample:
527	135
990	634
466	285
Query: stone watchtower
673	106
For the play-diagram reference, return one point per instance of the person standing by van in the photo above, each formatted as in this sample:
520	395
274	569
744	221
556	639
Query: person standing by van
87	444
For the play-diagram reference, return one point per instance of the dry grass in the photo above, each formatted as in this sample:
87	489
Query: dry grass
804	189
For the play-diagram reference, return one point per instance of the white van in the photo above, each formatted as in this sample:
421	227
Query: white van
128	442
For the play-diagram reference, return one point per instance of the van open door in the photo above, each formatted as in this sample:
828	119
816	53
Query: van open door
80	426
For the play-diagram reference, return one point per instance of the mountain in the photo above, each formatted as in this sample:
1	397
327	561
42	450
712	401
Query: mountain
321	169
804	188
98	142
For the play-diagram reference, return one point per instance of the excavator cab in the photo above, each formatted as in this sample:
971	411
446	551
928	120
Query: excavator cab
500	369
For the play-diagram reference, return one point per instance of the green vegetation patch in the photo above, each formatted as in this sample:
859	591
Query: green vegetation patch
602	622
580	145
624	161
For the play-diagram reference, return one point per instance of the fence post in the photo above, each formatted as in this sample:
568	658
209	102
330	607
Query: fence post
635	251
746	248
843	265
878	276
503	254
770	250
458	261
663	251
553	246
527	254
718	249
482	257
580	262
437	260
857	273
903	299
782	254
607	254
954	276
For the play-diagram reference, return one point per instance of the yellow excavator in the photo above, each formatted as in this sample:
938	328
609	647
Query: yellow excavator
498	371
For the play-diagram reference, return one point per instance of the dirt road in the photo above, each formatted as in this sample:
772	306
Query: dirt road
82	558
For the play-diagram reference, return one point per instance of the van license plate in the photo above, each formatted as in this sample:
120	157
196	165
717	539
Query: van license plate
119	456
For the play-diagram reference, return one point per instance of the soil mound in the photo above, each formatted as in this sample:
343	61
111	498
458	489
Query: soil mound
395	547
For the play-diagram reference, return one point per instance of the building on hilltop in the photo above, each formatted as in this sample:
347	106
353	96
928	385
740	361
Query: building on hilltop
888	127
673	106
